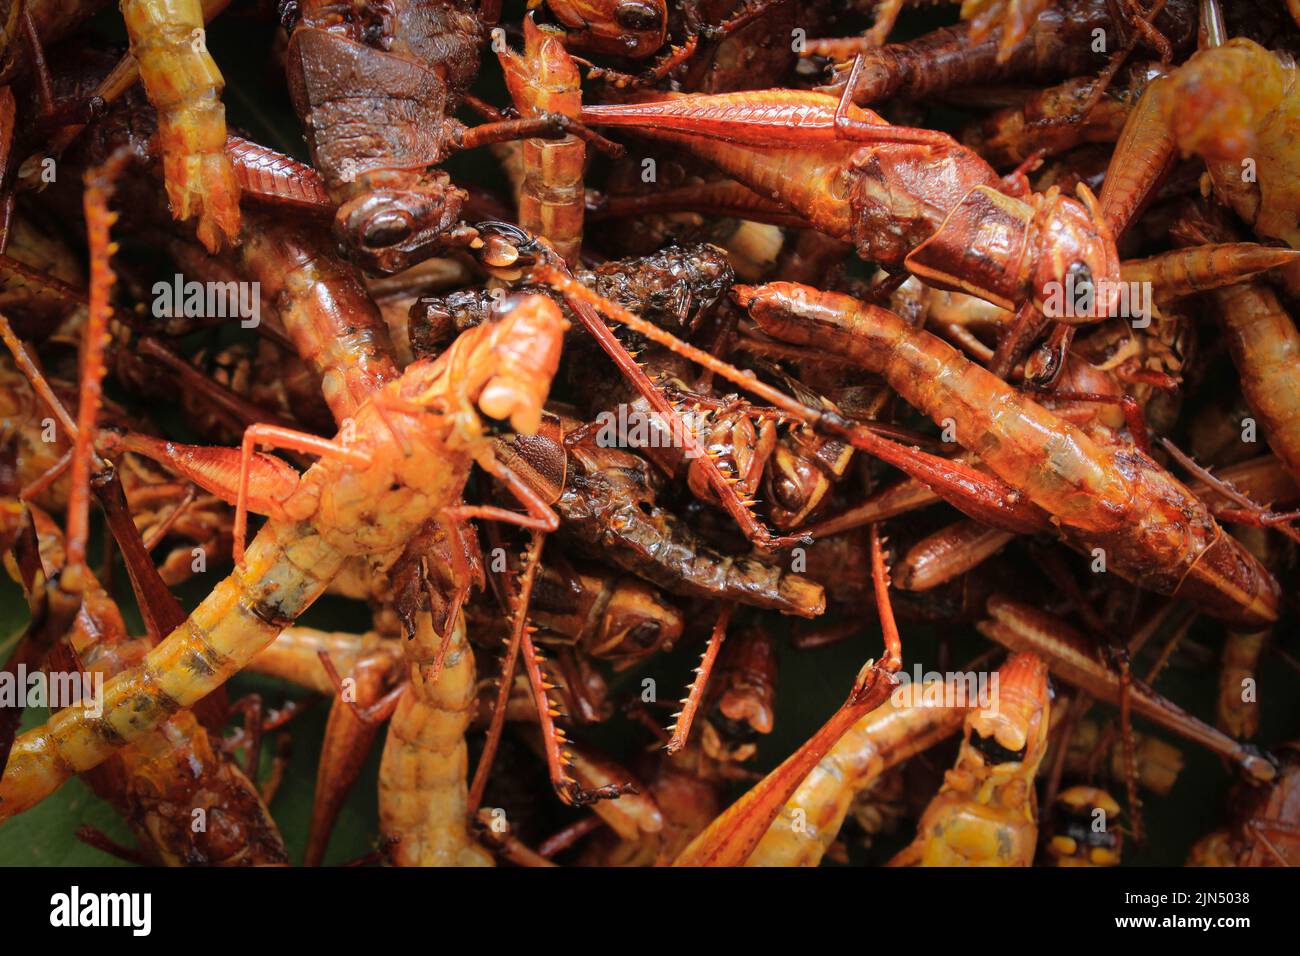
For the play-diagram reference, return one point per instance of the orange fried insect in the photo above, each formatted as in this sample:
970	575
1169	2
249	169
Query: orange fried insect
906	198
949	553
171	776
732	837
1211	265
1050	121
1264	343
741	703
1221	98
986	814
917	718
1238	107
552	198
423	808
342	508
184	85
324	308
1152	529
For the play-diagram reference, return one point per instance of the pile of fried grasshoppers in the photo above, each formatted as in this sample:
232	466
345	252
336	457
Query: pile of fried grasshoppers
480	409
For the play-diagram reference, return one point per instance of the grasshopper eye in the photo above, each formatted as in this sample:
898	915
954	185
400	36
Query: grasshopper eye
388	229
993	752
637	16
1081	274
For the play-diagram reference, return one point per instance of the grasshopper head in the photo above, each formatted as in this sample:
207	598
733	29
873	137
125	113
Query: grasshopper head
1014	729
495	376
631	28
501	371
1076	252
388	230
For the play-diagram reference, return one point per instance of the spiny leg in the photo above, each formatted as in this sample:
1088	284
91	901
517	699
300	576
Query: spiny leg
1250	511
99	221
681	729
731	838
736	506
521	601
978	494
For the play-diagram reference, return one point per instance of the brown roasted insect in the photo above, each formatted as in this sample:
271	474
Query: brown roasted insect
906	198
184	86
1056	46
613	617
674	287
1196	558
551	197
606	504
413	61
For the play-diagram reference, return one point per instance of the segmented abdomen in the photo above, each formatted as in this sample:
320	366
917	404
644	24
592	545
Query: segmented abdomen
423	803
184	85
286	568
811	818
